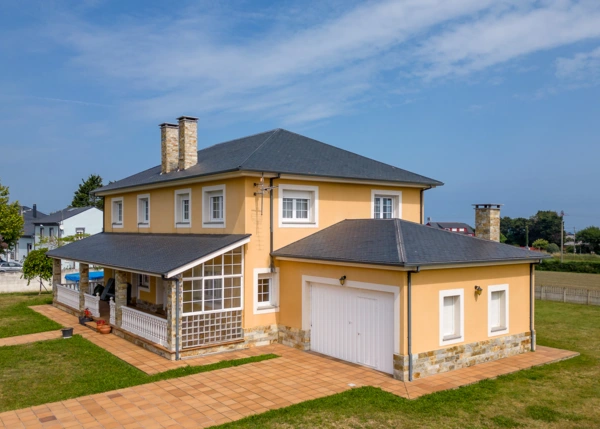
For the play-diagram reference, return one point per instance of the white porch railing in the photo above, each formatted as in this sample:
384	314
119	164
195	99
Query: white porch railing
67	296
92	303
112	311
145	325
91	286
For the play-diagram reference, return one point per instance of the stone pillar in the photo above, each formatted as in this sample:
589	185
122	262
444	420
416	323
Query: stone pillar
487	221
84	284
56	276
169	147
120	295
188	142
171	287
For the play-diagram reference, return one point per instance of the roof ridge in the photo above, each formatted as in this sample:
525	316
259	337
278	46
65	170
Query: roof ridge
399	241
275	131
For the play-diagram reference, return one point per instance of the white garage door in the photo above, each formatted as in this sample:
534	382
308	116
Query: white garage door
355	325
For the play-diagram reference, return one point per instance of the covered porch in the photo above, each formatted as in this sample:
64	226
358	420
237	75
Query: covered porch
171	294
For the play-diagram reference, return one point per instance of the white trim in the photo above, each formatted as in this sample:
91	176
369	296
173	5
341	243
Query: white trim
112	212
140	197
345	264
306	285
274	291
497	288
461	303
208	257
313	221
206	208
396	198
176	207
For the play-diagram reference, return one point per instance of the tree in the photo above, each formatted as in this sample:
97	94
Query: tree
547	225
83	196
11	221
37	264
515	230
54	241
553	248
540	243
590	237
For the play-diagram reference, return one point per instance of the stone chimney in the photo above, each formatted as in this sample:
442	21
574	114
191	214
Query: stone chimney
169	148
188	142
487	221
34	210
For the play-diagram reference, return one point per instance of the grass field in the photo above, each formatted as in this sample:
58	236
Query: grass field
555	278
560	395
16	318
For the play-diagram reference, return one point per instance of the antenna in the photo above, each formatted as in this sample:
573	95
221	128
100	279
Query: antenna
262	190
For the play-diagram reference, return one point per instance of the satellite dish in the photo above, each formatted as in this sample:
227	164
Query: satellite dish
62	228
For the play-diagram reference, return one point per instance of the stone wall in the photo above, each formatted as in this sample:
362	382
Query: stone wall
169	147
294	337
456	357
188	142
487	221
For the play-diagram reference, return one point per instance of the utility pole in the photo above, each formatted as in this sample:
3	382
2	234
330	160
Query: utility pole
527	236
562	234
574	240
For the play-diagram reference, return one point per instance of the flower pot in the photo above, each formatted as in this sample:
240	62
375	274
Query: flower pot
83	320
67	332
104	329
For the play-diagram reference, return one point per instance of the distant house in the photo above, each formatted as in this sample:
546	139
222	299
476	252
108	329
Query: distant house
461	228
26	242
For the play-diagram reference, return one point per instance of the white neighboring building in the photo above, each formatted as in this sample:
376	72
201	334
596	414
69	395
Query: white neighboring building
26	242
67	222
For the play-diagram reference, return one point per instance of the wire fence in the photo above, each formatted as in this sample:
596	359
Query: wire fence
572	295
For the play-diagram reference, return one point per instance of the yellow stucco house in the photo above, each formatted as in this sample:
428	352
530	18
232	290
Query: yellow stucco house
277	237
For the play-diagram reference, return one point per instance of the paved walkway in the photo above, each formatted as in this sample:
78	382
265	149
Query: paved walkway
30	338
215	397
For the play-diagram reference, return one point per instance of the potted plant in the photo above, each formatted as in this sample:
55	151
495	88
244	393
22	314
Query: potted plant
67	332
102	327
87	317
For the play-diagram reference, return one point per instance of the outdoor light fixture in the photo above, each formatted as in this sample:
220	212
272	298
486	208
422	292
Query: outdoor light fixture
478	290
342	280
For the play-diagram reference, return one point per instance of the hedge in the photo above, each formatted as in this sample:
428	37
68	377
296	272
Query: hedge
589	267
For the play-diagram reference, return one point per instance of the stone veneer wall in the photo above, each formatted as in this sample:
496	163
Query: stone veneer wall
487	223
294	337
465	355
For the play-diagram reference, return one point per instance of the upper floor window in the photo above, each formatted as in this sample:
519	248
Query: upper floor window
117	212
213	203
298	206
143	211
497	310
451	316
386	204
183	208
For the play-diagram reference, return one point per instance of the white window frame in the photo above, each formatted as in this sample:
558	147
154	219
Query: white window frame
494	330
140	223
262	308
177	208
461	302
313	210
396	197
140	283
207	220
113	221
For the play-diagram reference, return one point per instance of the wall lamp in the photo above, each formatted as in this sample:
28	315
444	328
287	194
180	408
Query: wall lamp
478	290
342	280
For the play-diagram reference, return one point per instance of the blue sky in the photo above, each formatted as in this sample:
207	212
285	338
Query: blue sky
498	99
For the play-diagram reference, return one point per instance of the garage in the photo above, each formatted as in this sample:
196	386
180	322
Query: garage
355	325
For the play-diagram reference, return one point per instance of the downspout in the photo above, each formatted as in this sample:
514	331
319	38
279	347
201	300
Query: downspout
409	324
531	299
103	213
271	180
422	204
177	319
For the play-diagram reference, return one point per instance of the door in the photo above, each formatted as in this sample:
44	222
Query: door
355	325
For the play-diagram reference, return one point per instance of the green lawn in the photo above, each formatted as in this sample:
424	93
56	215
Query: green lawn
54	370
560	395
16	318
558	278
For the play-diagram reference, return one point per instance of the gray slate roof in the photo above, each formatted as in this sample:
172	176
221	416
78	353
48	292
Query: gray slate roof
279	151
398	242
148	253
61	215
442	225
29	226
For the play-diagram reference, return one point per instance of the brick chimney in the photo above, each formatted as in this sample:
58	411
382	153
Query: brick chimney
35	210
169	147
487	221
188	142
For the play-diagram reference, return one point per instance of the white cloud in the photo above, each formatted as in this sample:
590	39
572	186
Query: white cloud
582	66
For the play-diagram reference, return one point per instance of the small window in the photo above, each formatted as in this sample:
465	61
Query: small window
41	231
117	212
298	206
266	292
144	281
80	232
143	211
386	204
51	232
213	202
183	208
451	316
497	310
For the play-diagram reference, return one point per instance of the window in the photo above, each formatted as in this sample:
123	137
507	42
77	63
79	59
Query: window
213	203
451	316
183	208
143	211
41	231
454	229
51	232
266	290
117	212
386	204
143	281
497	310
80	232
298	206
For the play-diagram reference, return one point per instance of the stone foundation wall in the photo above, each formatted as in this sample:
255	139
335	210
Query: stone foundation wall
456	357
294	337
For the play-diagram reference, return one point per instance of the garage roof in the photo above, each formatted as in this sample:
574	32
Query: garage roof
401	243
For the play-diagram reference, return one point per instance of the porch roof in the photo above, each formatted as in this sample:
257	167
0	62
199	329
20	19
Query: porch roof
158	254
